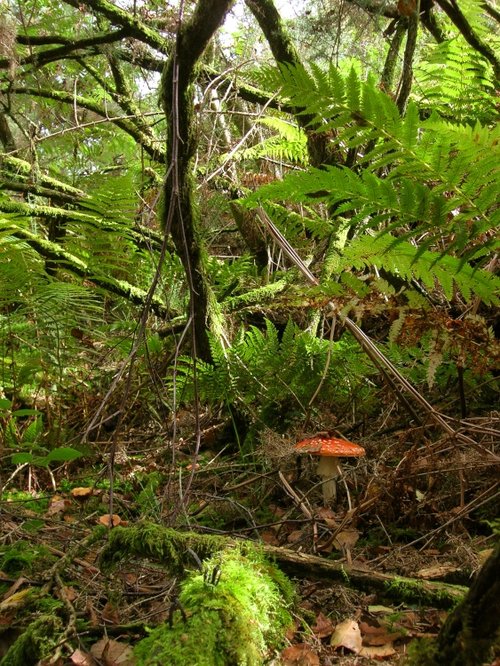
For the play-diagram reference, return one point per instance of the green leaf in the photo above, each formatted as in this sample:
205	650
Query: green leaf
21	458
63	454
25	412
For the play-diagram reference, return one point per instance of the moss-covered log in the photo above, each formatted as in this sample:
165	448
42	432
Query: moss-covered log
175	550
233	604
233	612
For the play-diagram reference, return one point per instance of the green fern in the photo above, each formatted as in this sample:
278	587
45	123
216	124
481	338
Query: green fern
430	268
427	179
456	81
289	144
269	376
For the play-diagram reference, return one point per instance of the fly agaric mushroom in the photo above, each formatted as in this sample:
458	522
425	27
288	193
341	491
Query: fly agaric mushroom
330	450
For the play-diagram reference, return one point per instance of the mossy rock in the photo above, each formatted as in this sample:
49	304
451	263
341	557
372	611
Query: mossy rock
231	621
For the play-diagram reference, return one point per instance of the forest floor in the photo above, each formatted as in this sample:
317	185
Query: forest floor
430	516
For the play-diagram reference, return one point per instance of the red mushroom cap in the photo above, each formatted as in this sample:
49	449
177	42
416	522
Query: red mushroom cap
330	446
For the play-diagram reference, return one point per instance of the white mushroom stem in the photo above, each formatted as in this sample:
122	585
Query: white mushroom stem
329	470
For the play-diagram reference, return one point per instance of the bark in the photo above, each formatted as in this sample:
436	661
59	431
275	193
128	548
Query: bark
407	76
179	217
472	631
387	78
6	137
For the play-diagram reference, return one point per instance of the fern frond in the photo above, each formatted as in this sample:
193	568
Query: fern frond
288	145
404	259
457	82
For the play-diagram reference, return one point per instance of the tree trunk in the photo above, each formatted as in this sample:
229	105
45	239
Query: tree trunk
471	632
179	217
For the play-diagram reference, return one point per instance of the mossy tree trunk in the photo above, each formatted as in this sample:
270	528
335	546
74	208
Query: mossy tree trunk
472	632
179	216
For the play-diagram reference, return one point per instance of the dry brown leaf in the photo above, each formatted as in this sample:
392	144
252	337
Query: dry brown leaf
346	539
110	614
57	505
327	515
70	593
295	536
94	618
347	635
80	658
377	635
380	652
113	653
105	519
299	655
323	626
6	619
269	537
131	578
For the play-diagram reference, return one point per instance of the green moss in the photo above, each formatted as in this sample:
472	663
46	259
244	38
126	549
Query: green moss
27	500
36	642
421	652
22	556
413	591
165	545
234	622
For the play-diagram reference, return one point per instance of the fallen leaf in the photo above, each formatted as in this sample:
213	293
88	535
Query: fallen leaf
131	578
94	618
295	536
327	515
70	593
299	655
57	505
113	653
347	635
6	620
378	635
377	652
269	537
80	658
346	539
110	614
323	626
